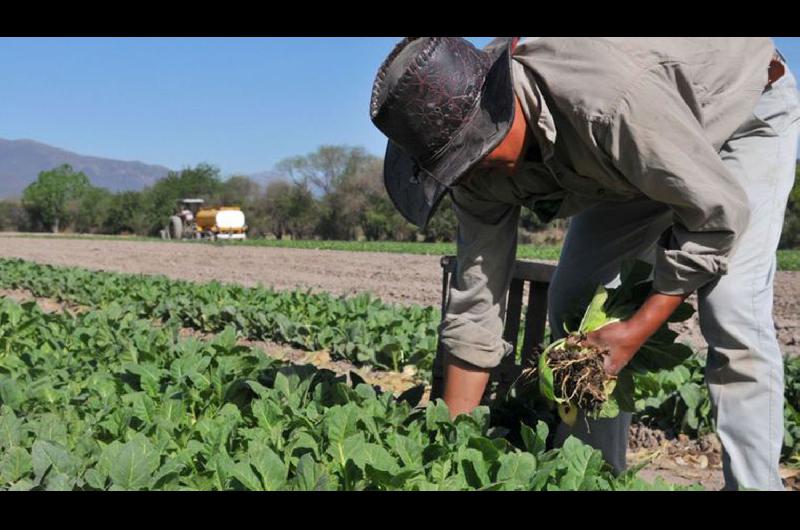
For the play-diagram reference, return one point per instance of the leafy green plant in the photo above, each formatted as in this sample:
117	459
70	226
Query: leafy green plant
104	400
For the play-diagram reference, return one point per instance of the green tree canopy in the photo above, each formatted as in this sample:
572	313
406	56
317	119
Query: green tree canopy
50	200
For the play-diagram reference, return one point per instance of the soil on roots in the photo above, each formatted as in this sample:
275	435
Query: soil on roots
578	373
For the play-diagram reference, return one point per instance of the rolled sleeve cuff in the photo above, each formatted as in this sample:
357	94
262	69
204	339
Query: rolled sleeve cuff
472	343
678	272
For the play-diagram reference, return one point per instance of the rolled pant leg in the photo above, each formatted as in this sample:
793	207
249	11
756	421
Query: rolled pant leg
744	370
597	242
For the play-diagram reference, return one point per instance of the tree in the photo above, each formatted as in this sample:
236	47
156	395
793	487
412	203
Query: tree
93	210
13	217
291	208
238	190
51	198
127	214
325	168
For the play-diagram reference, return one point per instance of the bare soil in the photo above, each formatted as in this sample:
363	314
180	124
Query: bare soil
395	278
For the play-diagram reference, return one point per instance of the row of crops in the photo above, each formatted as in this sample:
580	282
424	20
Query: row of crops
116	387
106	400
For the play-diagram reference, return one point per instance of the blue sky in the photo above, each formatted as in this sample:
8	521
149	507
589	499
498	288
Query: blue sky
242	104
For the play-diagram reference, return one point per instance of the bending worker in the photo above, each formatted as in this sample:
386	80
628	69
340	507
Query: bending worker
677	150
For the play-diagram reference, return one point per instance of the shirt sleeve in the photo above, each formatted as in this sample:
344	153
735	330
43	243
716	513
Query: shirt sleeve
658	143
472	328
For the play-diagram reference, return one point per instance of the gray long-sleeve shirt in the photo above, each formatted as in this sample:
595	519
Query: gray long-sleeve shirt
614	119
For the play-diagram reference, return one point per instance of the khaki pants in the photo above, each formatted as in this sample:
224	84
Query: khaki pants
744	368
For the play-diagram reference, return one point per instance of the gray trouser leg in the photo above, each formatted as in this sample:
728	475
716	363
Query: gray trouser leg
745	371
745	365
597	242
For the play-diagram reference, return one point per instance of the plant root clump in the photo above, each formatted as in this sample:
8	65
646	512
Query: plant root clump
578	373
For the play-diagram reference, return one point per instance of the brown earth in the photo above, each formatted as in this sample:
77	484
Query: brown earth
395	278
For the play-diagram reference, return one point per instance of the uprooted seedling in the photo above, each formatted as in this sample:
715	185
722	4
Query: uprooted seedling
578	373
571	371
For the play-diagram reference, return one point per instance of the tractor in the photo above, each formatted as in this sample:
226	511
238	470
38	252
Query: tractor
190	221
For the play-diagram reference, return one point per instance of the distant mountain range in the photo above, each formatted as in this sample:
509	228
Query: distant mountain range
21	161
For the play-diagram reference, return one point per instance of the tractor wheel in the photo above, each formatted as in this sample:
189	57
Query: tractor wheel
175	227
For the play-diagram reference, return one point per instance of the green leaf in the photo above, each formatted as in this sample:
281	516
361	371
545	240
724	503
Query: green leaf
655	357
14	465
408	449
59	482
516	469
131	465
10	393
306	478
11	430
52	458
242	472
610	408
546	386
436	413
595	315
485	446
475	469
269	465
340	422
95	478
535	442
583	464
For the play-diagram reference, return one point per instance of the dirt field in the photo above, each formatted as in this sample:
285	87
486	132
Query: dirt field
396	278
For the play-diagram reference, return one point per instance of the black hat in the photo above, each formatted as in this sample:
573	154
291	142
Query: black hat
444	105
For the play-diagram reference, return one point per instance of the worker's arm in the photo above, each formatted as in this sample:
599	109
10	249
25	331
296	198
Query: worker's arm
659	145
623	339
471	332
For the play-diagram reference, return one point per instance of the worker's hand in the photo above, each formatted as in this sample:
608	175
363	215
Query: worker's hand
621	339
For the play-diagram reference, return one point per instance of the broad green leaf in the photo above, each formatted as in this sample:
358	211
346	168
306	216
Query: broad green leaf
475	468
59	482
14	465
242	472
436	413
340	422
95	478
131	465
408	449
535	441
306	474
11	428
595	315
269	465
655	357
487	448
546	375
516	469
583	464
51	458
11	393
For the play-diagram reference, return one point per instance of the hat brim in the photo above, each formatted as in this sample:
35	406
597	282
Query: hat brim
416	191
